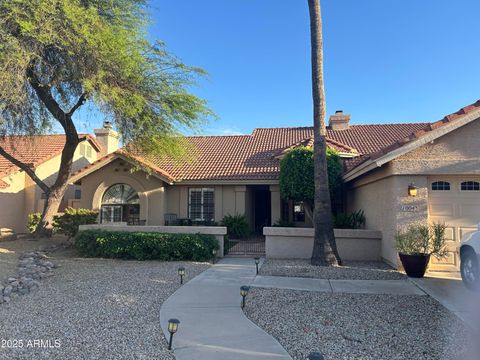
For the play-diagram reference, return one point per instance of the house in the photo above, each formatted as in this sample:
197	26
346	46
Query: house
19	195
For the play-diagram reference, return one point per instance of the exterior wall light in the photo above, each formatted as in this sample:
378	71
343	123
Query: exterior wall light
181	272
315	356
257	261
172	329
244	292
412	190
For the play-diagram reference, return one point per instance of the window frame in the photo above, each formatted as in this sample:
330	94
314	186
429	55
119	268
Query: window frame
444	183
476	185
202	204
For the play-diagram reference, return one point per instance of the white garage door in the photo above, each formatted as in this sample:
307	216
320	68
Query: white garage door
456	202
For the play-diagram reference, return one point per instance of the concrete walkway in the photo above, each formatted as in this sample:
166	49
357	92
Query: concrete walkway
452	294
395	287
212	324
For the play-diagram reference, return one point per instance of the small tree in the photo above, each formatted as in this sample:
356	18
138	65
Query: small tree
56	55
297	176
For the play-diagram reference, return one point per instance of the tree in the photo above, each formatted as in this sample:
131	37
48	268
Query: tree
297	176
56	55
324	245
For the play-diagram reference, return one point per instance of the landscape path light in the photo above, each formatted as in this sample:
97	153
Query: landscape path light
315	356
214	253
244	292
257	261
181	272
172	329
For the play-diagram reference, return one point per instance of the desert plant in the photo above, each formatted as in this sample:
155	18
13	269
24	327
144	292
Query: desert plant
145	246
422	240
354	220
71	219
237	226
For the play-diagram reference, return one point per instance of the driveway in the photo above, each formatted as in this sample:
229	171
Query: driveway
451	293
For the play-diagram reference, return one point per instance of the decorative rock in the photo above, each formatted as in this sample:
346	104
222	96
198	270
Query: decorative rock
32	266
7	291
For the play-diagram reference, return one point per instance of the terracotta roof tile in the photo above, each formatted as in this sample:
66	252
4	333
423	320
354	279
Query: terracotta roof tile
255	157
34	150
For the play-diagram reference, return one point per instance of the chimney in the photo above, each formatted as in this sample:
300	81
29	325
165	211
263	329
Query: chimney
107	137
339	121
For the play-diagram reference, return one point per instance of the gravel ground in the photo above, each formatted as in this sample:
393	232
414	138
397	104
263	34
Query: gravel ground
351	270
353	326
95	309
11	250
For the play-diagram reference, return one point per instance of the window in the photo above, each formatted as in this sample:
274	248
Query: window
78	194
470	186
298	211
201	205
120	203
441	186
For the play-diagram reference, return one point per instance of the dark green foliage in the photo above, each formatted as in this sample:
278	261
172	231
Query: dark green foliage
354	220
237	226
283	223
145	246
68	222
32	223
296	174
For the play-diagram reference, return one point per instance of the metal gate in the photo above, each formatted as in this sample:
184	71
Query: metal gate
251	246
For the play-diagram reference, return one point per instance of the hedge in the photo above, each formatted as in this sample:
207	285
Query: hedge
145	246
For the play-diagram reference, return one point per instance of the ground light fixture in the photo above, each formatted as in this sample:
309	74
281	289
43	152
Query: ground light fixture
315	356
244	292
172	329
214	255
181	272
257	261
412	190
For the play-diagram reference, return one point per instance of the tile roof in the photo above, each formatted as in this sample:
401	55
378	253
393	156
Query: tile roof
34	150
255	157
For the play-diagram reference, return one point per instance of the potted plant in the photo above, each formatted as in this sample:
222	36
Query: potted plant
417	244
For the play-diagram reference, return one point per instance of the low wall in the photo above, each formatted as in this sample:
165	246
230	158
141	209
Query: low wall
297	243
218	231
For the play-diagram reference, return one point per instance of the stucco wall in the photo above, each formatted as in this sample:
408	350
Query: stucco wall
151	190
12	212
383	193
229	199
297	243
23	196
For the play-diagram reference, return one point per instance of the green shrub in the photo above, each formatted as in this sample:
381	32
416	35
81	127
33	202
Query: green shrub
71	219
145	246
32	223
354	220
422	240
237	226
283	223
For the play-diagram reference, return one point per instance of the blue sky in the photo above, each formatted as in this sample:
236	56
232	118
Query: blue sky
385	61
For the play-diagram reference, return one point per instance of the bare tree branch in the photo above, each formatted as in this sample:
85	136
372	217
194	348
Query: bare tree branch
80	102
27	169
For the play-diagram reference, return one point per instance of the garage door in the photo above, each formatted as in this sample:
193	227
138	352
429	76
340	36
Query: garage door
456	202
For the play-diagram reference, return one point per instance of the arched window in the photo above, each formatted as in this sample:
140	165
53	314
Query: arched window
441	186
470	186
120	203
120	194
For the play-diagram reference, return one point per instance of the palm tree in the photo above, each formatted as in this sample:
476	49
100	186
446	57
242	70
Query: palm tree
324	246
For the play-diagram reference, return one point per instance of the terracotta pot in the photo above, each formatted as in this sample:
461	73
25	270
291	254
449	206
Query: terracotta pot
415	265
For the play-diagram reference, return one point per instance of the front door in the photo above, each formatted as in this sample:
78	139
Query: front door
262	202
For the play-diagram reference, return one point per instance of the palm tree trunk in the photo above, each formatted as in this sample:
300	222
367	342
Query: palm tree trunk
324	245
